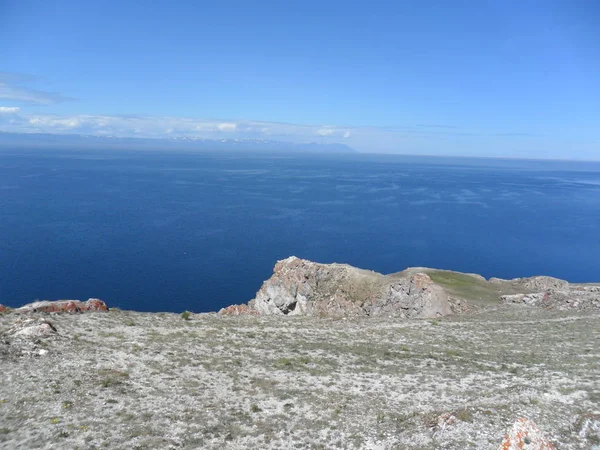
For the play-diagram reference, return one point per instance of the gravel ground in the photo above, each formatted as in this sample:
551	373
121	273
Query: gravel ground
150	380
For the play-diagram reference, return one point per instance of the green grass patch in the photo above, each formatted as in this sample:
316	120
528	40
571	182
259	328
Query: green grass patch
465	286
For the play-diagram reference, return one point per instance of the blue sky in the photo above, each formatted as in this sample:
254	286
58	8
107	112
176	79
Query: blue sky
485	78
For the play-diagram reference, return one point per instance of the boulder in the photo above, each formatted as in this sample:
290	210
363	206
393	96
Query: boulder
587	427
63	306
302	287
3	308
94	304
525	435
238	310
27	336
29	328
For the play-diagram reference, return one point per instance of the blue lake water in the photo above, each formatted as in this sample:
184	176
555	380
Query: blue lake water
170	232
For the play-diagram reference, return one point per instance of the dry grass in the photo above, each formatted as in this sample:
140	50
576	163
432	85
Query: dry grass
137	380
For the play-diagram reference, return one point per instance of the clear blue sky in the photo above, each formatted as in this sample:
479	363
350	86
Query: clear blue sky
488	78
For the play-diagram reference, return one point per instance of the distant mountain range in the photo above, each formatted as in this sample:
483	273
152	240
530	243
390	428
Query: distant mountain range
78	141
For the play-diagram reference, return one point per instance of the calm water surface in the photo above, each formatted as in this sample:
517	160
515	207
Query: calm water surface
169	232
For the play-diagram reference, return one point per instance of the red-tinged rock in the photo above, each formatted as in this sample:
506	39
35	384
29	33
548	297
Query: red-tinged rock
238	310
63	306
2	308
60	306
525	435
94	304
421	281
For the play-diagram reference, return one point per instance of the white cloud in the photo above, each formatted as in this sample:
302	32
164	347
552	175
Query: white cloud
227	126
156	127
15	87
29	95
413	139
325	131
57	123
16	120
9	109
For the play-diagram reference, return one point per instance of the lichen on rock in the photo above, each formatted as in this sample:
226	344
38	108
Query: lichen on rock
63	306
525	435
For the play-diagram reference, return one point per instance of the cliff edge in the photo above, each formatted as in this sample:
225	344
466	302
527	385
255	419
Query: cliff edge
303	287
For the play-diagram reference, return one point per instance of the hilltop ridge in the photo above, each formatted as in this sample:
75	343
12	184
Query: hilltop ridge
303	287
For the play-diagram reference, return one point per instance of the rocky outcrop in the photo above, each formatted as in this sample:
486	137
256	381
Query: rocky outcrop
302	287
63	306
94	304
569	297
31	328
26	337
3	308
541	283
238	310
525	435
549	292
533	284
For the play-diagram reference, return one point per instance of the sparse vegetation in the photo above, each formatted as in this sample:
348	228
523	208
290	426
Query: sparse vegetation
268	382
255	408
464	415
186	315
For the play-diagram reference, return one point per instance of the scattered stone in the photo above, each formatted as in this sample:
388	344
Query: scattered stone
442	422
63	306
574	298
459	305
587	427
269	383
527	299
525	435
